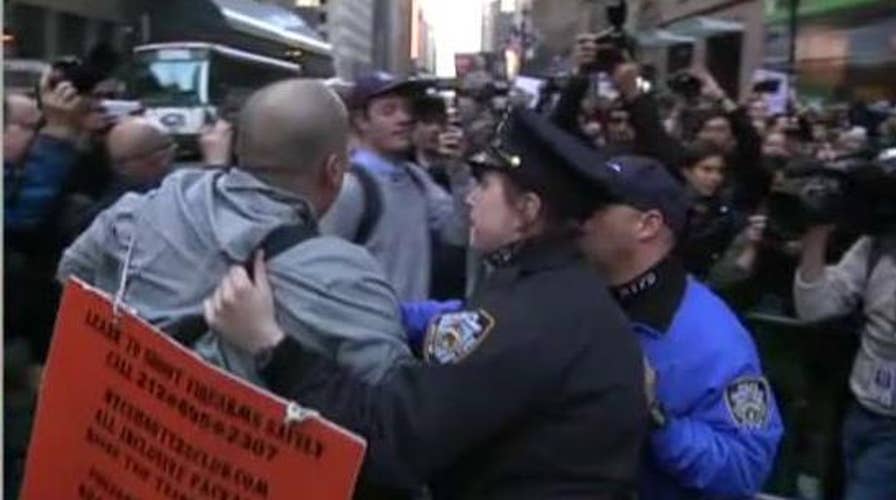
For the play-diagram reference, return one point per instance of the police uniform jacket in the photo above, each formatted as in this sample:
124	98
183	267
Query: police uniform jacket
535	390
722	427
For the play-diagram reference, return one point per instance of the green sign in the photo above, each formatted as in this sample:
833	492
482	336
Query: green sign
779	10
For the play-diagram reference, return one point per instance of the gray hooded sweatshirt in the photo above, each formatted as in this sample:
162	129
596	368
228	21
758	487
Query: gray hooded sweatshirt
329	294
850	284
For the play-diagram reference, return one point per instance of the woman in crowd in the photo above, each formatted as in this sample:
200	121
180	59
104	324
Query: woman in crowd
535	390
713	223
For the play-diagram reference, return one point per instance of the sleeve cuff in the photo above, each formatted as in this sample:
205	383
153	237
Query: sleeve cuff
803	284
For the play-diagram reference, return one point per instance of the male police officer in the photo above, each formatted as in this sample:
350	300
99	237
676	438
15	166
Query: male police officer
716	423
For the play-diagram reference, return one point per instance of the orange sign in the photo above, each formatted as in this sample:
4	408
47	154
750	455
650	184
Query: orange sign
126	413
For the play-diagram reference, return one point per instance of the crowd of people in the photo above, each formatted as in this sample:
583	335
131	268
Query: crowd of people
506	301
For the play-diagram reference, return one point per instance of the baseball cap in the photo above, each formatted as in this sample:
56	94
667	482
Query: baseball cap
645	184
381	83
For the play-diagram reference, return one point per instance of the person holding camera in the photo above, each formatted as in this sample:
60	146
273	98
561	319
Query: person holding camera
39	164
436	138
35	176
864	282
635	117
390	205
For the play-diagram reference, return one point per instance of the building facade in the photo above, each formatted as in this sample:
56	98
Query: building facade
392	21
724	36
844	49
348	26
48	29
423	44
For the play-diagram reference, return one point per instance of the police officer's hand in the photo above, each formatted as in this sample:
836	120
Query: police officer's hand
242	311
416	317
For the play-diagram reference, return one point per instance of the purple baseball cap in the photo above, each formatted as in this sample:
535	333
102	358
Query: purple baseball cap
380	83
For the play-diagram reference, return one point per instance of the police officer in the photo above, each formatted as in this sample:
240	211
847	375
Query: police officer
716	425
534	390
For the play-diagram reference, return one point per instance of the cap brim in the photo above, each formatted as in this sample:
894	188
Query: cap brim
407	87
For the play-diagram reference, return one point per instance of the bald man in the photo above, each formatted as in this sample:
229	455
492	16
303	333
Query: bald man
141	151
141	154
187	233
21	121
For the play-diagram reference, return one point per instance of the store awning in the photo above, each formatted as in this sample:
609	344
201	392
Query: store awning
662	38
271	22
702	27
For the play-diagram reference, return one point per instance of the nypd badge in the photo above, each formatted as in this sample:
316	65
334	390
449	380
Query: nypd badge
748	401
453	336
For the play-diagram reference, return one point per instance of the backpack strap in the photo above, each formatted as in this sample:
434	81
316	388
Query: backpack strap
373	204
282	239
878	248
188	330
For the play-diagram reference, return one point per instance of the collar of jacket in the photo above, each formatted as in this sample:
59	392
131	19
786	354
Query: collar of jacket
536	254
237	179
374	162
653	297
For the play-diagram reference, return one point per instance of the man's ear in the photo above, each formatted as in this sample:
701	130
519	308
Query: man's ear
333	171
650	225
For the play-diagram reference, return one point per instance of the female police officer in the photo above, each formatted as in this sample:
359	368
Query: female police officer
534	391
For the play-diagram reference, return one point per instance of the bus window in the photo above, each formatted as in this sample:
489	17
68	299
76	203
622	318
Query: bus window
232	79
169	81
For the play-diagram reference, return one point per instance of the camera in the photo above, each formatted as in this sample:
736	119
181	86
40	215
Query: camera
855	191
685	84
614	45
85	74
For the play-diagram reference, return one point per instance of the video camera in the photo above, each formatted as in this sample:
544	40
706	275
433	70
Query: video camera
614	45
855	191
685	84
85	74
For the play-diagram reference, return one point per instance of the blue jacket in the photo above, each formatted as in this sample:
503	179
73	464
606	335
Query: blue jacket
31	192
722	423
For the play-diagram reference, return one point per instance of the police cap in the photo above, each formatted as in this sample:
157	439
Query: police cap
540	157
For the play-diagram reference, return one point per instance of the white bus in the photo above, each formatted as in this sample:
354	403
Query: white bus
184	84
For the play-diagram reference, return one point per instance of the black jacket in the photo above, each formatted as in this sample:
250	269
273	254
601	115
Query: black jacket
549	404
713	224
